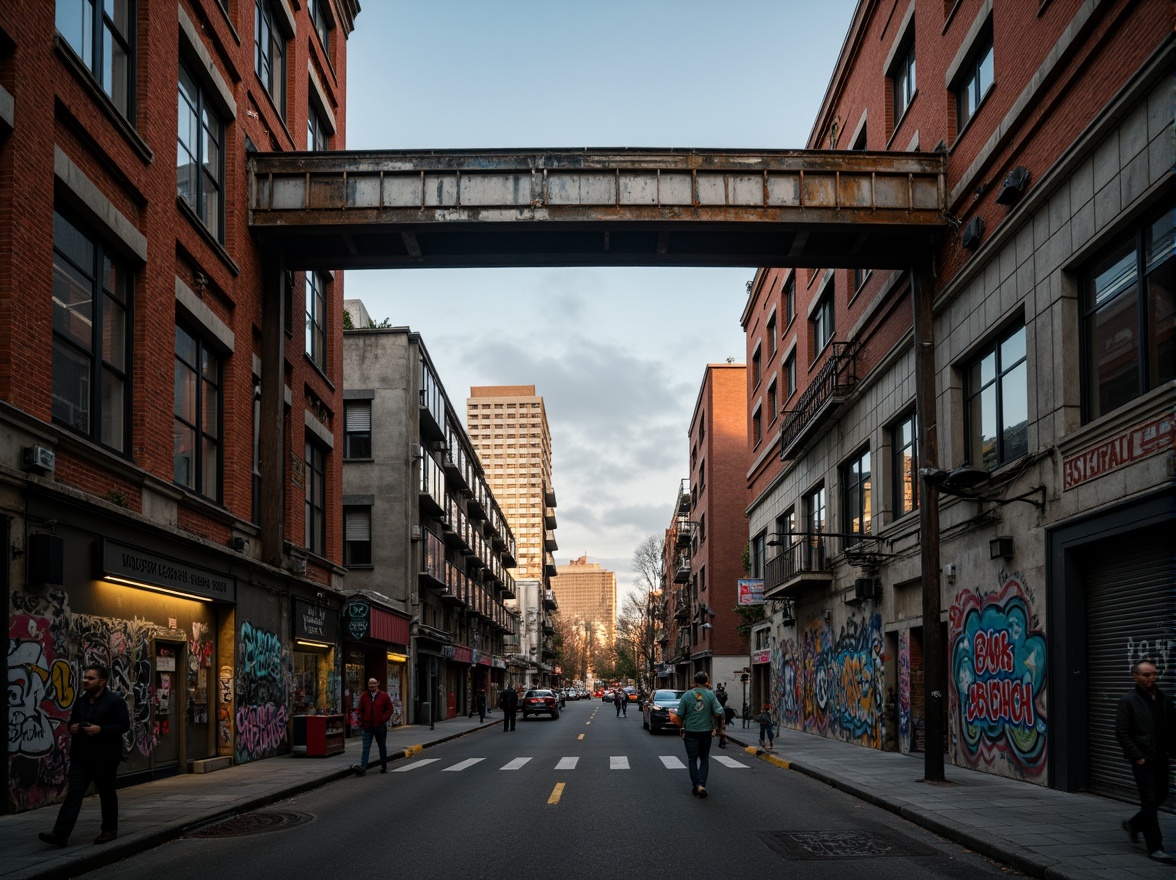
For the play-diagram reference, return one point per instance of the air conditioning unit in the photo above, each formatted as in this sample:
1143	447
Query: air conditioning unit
39	458
865	589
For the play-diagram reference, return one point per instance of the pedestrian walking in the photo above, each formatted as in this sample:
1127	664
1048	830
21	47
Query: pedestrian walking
622	701
721	694
375	708
701	715
767	728
480	704
1145	725
509	703
97	723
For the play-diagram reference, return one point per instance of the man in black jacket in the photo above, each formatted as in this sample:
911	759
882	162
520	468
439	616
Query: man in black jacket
509	702
1145	726
96	725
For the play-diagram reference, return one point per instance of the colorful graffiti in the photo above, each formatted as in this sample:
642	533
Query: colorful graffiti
904	691
123	647
997	687
833	684
263	667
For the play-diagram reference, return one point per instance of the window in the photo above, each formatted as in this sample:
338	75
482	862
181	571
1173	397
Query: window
773	402
813	557
785	527
756	367
789	297
200	168
101	34
859	278
317	132
757	427
269	54
316	312
903	77
1129	310
855	481
357	429
256	519
357	536
822	321
322	27
756	556
701	475
790	375
702	534
91	357
196	455
905	446
771	335
998	404
316	499
977	80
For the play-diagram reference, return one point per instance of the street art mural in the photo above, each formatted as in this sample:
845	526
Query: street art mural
904	691
48	646
264	668
997	686
831	682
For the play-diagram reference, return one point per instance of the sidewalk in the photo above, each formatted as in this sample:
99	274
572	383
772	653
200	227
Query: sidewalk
155	812
1040	831
1043	832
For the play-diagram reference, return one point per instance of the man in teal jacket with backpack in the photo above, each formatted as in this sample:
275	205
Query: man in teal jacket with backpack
701	714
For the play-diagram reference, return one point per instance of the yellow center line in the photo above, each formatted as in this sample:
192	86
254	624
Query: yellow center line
555	793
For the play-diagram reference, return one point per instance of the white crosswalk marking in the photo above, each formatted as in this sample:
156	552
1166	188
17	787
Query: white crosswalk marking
515	764
672	762
618	762
567	764
462	765
421	763
730	762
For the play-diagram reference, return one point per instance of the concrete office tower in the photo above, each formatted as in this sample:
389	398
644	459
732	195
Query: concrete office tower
588	599
508	427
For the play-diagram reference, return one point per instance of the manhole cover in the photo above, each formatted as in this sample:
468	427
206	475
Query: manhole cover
842	844
254	823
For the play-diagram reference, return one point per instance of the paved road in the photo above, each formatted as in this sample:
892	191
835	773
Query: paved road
579	797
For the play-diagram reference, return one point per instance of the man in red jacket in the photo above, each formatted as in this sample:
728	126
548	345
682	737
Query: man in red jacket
375	708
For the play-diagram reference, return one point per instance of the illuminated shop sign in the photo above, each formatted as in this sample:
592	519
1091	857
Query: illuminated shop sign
315	623
124	564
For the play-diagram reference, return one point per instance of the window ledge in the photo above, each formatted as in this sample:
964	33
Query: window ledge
202	229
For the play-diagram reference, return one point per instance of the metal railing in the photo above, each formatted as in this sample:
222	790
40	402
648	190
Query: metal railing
835	380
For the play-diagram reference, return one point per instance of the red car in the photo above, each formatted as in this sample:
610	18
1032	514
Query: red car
537	702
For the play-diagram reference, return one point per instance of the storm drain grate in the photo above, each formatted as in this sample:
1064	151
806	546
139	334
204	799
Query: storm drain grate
254	823
841	844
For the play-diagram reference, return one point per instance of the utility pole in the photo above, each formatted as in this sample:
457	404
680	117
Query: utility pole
934	662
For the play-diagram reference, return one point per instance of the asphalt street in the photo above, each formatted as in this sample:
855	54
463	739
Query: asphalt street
571	798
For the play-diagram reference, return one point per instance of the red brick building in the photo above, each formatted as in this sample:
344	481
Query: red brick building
705	541
170	397
1054	381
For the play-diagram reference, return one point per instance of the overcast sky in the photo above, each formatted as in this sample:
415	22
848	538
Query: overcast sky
617	354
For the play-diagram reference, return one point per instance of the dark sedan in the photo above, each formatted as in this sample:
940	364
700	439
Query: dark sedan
655	711
540	702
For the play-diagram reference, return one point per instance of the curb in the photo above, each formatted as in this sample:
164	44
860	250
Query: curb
1026	861
133	844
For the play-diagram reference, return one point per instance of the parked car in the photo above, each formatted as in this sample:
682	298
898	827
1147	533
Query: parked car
655	713
631	695
540	701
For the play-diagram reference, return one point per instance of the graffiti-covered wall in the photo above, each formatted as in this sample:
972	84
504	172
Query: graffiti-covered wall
264	670
830	681
997	682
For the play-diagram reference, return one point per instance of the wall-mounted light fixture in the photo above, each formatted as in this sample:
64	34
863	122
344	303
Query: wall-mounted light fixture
1001	547
1013	186
972	233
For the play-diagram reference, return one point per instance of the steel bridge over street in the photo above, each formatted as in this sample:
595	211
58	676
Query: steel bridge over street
618	207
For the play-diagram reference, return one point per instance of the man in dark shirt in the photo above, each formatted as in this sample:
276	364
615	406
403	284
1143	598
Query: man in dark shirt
1145	726
96	724
509	702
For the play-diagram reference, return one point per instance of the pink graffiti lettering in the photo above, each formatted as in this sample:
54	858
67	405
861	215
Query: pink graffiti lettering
993	651
260	729
1001	700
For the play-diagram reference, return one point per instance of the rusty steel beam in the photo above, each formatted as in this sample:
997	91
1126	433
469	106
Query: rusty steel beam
620	207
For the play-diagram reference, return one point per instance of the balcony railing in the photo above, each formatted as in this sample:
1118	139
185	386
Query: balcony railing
821	402
685	530
799	566
682	569
684	496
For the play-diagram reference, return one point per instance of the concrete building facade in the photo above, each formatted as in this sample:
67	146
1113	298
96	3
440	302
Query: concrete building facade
425	542
1053	394
170	396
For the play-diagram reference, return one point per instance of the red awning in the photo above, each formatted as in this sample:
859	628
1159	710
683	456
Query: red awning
462	654
389	627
